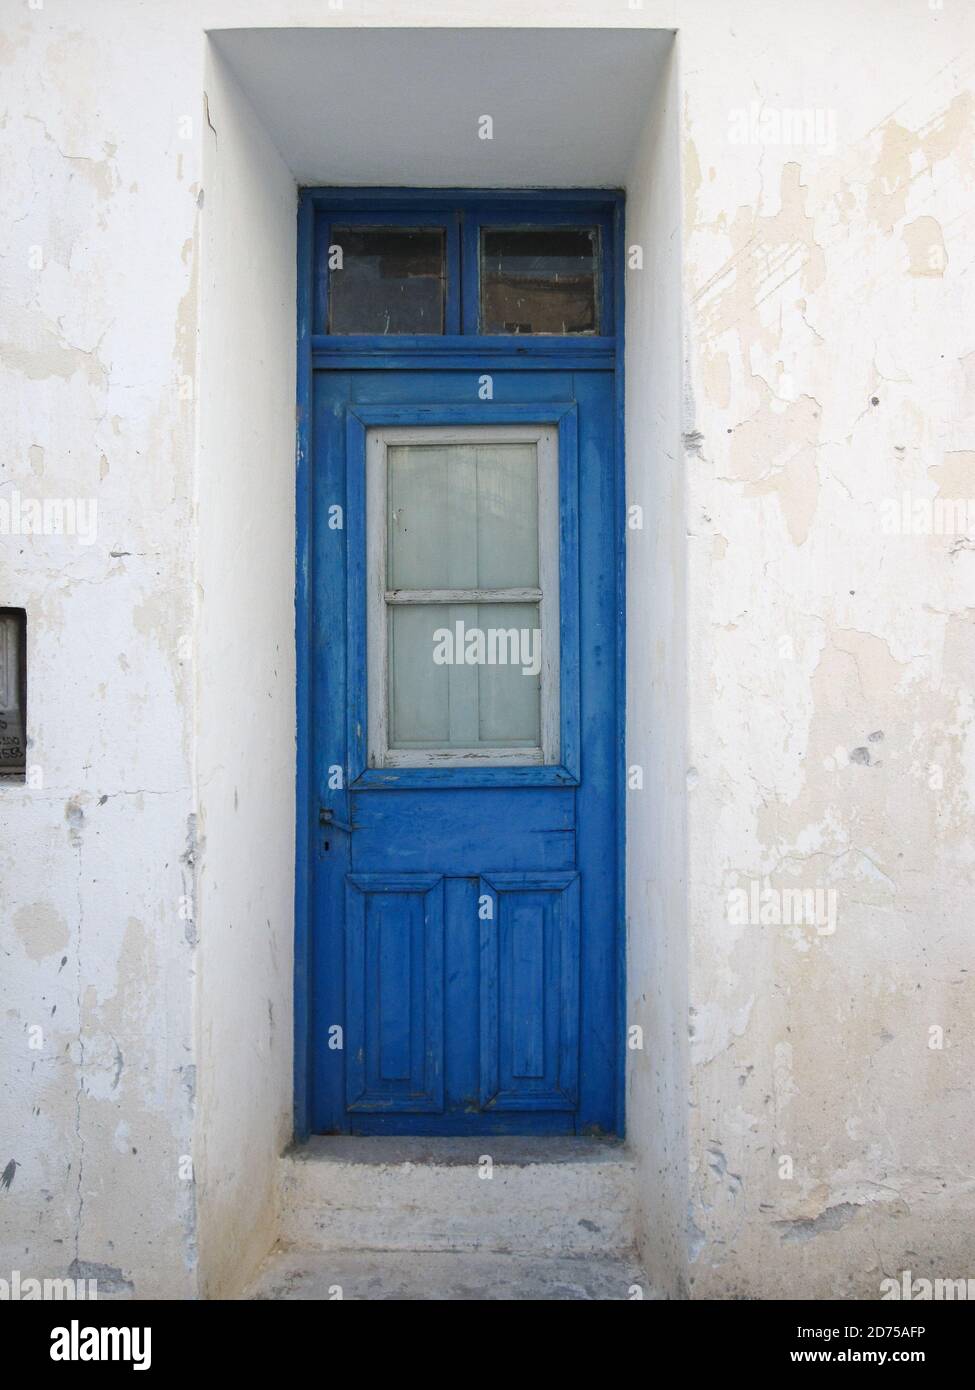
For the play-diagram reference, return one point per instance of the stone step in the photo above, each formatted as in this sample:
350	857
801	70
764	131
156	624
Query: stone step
562	1197
295	1274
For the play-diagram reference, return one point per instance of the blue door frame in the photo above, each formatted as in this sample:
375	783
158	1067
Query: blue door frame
362	381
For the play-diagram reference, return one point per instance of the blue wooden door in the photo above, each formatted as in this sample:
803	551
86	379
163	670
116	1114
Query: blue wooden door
462	758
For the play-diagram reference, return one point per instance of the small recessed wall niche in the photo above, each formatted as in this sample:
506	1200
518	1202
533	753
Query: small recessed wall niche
13	694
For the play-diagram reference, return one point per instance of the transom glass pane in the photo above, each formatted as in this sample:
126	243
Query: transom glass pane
539	280
386	280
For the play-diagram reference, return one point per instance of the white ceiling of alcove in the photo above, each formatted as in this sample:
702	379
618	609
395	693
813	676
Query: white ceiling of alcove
401	106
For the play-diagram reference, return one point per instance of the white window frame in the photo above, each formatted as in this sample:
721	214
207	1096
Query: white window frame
379	597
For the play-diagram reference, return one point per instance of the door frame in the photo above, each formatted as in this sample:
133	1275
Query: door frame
469	351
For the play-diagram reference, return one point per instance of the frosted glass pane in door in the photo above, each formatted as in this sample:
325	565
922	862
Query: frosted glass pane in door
419	689
462	516
508	692
464	675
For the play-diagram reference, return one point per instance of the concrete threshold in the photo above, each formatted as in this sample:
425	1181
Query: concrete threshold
545	1197
294	1275
505	1148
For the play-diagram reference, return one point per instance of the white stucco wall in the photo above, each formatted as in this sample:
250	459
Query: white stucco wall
808	279
96	1107
245	682
656	638
830	337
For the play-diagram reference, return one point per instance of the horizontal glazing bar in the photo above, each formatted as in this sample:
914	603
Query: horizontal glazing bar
463	595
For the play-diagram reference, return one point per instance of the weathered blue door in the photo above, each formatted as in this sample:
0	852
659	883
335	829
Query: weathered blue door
461	747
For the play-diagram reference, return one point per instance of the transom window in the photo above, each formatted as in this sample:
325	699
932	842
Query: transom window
469	269
387	280
539	280
463	613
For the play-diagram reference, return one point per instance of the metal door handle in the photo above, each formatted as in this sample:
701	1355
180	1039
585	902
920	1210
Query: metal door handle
326	819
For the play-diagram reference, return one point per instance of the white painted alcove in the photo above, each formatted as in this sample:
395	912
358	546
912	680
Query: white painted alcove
373	107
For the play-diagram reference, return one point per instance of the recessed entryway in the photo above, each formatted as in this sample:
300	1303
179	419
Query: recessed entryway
597	116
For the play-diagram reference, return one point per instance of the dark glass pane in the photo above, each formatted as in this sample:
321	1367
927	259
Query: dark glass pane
539	280
386	280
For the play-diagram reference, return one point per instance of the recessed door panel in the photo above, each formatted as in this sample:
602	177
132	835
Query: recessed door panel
395	988
530	992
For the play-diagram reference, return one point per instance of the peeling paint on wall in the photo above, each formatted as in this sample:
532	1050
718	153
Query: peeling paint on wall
815	597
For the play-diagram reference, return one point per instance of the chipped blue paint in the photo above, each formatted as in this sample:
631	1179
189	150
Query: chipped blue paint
512	1024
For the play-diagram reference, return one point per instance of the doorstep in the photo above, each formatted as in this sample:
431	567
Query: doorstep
559	1197
299	1275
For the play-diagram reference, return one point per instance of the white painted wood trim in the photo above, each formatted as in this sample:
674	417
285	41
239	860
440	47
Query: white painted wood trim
377	633
463	595
378	440
463	757
548	578
445	435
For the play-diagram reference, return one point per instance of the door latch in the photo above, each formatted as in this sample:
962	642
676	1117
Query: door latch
327	820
